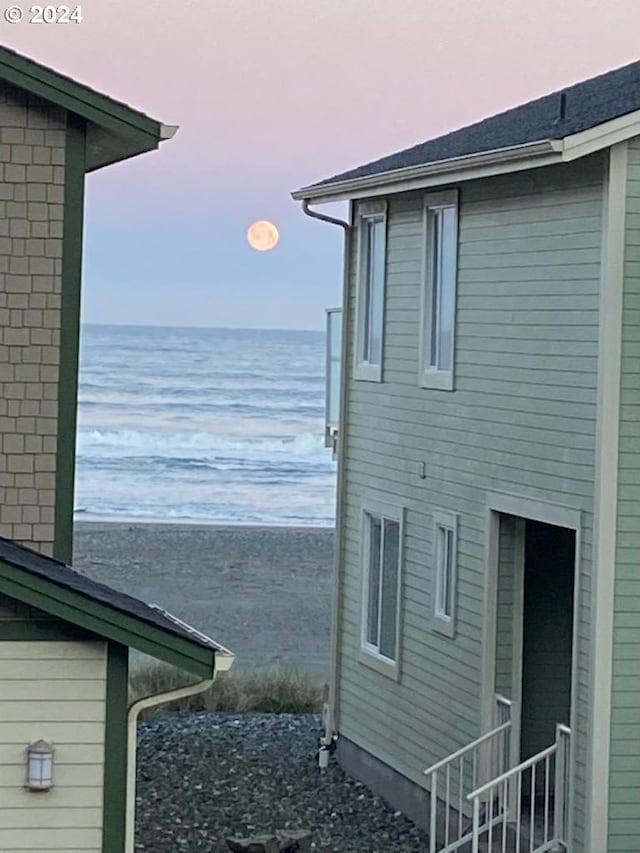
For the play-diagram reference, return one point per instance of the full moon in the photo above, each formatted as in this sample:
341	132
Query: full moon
262	235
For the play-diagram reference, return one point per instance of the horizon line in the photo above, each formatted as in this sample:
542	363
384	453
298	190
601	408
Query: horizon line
178	326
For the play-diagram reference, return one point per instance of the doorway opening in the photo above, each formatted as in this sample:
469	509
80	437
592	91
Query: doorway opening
547	633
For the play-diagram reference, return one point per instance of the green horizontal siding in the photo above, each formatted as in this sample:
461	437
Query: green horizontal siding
624	781
521	420
505	606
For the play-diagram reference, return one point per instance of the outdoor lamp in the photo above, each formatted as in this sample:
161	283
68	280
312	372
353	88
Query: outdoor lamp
40	766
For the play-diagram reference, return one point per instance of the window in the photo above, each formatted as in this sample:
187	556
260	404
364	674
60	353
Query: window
382	536
333	375
444	581
371	276
439	301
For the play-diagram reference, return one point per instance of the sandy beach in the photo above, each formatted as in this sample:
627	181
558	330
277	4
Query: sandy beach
264	592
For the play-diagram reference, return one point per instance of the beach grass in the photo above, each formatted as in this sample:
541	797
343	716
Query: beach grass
275	691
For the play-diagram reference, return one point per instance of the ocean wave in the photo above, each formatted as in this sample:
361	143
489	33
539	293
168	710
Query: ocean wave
138	442
232	512
158	389
265	409
211	425
203	469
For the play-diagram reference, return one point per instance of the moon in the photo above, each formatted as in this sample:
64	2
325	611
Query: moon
263	235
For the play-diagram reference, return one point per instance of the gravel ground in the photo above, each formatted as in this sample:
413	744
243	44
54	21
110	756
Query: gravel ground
203	777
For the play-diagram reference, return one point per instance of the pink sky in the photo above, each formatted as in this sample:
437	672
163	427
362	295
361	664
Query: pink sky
273	94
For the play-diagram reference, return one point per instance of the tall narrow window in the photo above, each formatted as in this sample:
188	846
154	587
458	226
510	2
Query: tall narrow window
444	581
371	278
382	586
441	252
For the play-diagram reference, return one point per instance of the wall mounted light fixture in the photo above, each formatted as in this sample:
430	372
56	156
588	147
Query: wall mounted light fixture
40	766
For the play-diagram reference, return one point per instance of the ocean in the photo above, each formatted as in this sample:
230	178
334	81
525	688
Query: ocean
203	425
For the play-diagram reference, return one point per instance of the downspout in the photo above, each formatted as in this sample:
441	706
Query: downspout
331	717
222	663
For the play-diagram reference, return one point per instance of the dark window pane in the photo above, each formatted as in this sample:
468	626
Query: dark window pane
366	289
373	592
377	290
442	254
448	572
444	571
447	288
435	248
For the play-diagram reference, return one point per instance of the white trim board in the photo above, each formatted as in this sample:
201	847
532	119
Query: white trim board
363	370
606	495
366	655
535	510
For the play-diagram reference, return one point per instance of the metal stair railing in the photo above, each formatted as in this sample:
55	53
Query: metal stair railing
524	810
455	776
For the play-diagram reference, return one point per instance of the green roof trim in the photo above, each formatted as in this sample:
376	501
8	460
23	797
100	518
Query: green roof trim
104	620
115	749
39	630
135	131
75	158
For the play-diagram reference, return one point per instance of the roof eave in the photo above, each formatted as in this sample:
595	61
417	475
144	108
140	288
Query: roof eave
122	130
498	161
109	622
433	174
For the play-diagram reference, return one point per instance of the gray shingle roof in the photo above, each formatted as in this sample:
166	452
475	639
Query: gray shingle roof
562	113
64	576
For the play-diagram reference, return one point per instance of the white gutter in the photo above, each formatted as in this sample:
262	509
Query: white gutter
331	721
168	131
223	661
469	166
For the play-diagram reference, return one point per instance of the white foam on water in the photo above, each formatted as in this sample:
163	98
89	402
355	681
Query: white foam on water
203	425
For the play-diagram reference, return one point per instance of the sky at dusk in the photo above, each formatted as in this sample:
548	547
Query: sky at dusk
271	95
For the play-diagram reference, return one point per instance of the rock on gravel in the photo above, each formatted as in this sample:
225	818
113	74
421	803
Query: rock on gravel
204	777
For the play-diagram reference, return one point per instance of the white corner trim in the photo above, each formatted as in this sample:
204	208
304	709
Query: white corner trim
606	493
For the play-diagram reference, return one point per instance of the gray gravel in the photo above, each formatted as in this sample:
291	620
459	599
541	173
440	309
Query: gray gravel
202	777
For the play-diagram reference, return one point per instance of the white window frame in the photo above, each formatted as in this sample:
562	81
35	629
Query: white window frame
369	653
443	622
432	376
364	369
331	424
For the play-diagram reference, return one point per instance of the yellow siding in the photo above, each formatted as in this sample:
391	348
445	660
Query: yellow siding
55	691
32	149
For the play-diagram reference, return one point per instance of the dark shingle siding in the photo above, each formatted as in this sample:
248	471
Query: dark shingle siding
586	104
